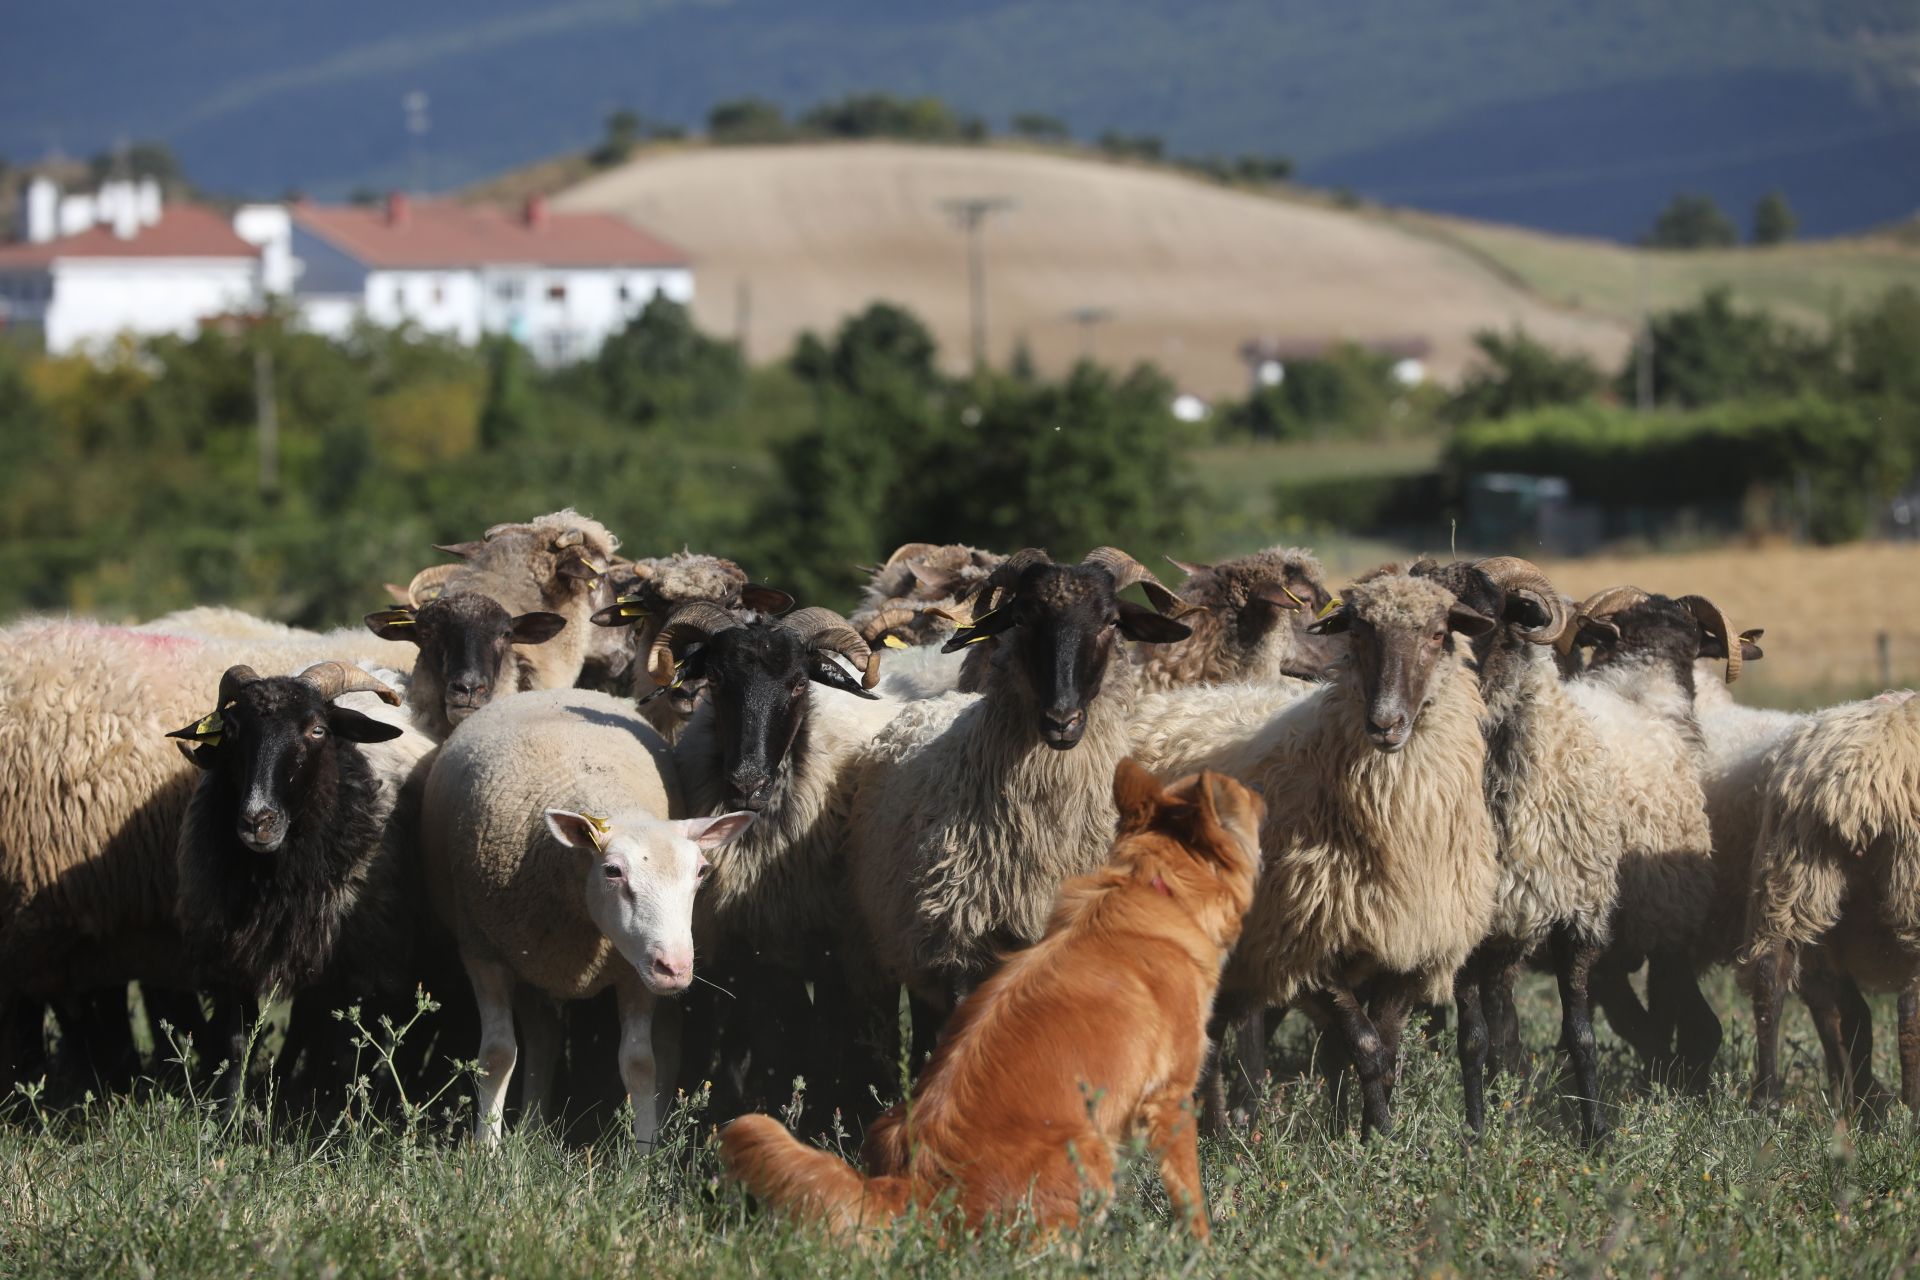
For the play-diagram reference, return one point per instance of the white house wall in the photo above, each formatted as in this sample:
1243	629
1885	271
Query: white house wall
94	300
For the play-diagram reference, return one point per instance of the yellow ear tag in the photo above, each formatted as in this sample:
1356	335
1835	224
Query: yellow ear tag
893	642
1332	604
1289	592
209	729
598	829
631	611
400	622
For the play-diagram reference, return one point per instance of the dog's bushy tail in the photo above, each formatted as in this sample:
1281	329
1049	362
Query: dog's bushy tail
806	1183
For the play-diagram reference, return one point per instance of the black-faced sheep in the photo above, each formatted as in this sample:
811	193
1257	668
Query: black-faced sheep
469	652
551	855
972	809
290	875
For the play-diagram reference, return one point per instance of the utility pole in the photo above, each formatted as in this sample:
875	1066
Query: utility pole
1643	344
266	410
968	214
415	106
742	315
1087	318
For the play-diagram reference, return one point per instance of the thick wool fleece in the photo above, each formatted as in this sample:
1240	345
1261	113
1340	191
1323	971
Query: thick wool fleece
966	823
94	793
1374	862
1644	718
784	880
1232	639
1838	858
495	874
1550	792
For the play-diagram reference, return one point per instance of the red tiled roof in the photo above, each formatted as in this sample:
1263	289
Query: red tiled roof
183	231
436	233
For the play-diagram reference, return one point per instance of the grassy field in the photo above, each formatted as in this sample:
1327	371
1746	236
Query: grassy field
1685	1187
1188	269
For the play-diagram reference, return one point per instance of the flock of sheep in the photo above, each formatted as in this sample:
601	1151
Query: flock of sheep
552	771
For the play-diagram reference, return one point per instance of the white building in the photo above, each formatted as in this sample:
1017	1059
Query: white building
89	267
92	266
559	282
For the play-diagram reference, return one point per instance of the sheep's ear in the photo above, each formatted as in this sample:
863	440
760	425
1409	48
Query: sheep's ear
771	601
1137	795
536	628
1137	622
830	673
463	550
1335	619
1596	632
1468	621
394	624
347	723
1749	645
578	830
711	833
579	566
1524	610
983	627
1281	596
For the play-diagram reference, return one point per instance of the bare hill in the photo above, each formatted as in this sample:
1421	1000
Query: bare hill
1189	270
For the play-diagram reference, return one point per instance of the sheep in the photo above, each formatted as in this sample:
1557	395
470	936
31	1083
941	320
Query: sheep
470	651
915	598
972	809
1381	865
1249	618
1639	688
550	854
93	796
1550	793
776	734
553	563
290	874
645	594
1835	888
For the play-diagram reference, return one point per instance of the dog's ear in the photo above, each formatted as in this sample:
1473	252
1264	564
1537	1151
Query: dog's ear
1137	795
1231	807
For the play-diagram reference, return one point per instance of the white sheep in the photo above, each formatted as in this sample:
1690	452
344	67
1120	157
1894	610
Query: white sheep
550	854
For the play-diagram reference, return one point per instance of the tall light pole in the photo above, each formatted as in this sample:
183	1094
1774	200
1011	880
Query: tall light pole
968	214
1087	318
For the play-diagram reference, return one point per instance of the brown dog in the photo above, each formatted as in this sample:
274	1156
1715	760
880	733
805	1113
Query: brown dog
1094	1033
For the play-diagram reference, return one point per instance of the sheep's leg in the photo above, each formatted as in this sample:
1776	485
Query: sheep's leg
23	1042
1246	1071
1610	989
1769	989
637	1065
1369	1059
1213	1076
1572	962
1389	1008
1817	989
1910	1049
1472	1044
1856	1025
237	1014
1686	1018
668	1023
543	1033
1173	1134
493	993
1506	1051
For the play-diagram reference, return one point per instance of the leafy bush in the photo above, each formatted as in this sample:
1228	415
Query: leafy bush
1711	351
1846	460
1349	392
1692	222
1518	374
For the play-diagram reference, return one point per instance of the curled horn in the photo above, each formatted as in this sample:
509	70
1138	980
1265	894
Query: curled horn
570	538
824	629
696	620
232	679
333	679
1511	573
992	591
495	531
1127	571
1604	604
1714	622
911	551
885	619
430	583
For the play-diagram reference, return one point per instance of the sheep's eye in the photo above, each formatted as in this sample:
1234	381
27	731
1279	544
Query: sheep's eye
611	871
318	732
1439	636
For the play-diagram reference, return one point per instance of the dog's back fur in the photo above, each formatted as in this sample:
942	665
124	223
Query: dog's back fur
1094	1033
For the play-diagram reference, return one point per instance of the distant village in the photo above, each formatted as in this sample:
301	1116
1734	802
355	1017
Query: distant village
88	266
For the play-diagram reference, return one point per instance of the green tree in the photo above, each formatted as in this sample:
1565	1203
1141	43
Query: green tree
740	120
884	343
1773	220
1347	392
509	414
660	365
1517	374
1712	351
1040	127
1691	221
622	136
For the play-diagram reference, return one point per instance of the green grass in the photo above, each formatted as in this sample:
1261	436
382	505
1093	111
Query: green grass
1685	1187
1237	512
1808	282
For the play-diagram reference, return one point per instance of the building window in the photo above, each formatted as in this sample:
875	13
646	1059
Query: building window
507	291
626	295
439	293
556	292
399	297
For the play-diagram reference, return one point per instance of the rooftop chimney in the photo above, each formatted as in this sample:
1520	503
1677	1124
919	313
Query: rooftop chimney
396	209
40	212
537	212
